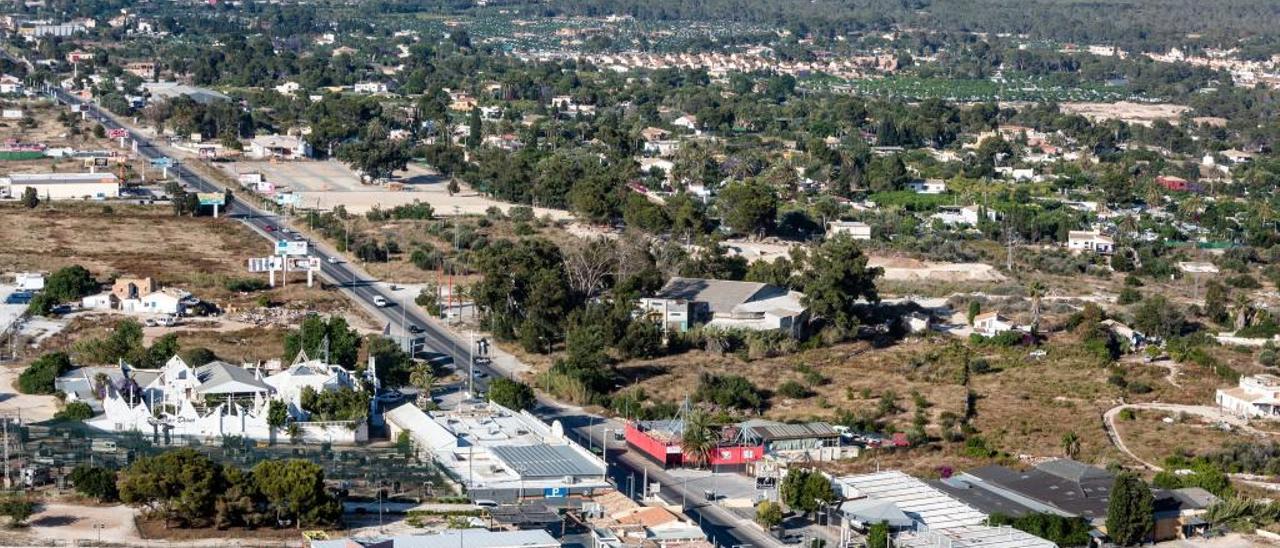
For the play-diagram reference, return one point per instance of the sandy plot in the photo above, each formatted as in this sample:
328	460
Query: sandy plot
67	522
1133	113
907	270
30	408
326	184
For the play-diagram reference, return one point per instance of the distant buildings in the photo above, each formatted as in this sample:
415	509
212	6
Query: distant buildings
685	302
928	186
287	147
452	538
61	186
855	229
967	215
1257	396
1090	241
990	324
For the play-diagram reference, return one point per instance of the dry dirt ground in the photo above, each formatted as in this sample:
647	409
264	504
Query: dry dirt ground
194	253
53	134
330	183
1023	406
1133	113
28	408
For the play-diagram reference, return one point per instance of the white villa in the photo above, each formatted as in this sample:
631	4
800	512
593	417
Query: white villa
1090	240
1256	396
213	400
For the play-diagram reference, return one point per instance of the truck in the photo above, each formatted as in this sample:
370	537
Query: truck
35	476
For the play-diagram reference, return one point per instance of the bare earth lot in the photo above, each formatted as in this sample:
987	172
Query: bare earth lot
326	184
1133	113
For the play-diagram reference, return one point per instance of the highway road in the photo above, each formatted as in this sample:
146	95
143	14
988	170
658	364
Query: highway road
720	525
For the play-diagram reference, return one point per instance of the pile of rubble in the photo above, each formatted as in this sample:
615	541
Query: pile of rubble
269	316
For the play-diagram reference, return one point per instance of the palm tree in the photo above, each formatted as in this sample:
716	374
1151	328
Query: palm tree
1036	290
699	438
1071	444
422	379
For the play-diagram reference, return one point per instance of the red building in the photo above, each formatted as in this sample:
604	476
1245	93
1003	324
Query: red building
1169	182
660	441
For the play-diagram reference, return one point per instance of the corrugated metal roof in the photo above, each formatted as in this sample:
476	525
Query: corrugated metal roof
782	431
546	461
918	500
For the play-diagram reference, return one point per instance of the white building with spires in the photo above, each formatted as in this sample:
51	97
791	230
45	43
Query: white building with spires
221	399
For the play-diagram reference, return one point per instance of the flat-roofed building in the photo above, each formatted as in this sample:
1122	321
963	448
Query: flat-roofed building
502	455
61	186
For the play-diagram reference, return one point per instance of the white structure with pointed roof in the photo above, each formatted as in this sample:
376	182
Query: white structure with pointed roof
221	399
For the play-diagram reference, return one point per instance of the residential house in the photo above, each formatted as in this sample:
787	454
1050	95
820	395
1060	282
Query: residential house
687	121
372	87
855	229
10	85
654	134
1090	240
685	302
990	324
142	69
29	281
279	146
288	88
928	186
170	300
1256	396
962	216
661	147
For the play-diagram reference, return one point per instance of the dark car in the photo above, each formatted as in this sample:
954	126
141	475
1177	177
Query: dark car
415	329
269	228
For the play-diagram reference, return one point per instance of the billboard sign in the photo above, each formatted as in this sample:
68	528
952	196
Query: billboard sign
304	263
118	133
555	492
163	161
100	162
288	199
291	248
212	198
265	264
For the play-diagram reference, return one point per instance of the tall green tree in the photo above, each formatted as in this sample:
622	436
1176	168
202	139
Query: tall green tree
343	342
511	394
1130	512
180	486
30	197
836	278
295	488
749	207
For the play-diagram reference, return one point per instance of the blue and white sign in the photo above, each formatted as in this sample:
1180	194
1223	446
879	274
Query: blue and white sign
555	492
163	161
291	248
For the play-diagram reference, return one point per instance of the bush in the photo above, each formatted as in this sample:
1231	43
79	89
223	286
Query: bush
38	378
245	285
793	390
1129	295
74	411
96	482
728	391
511	394
1127	414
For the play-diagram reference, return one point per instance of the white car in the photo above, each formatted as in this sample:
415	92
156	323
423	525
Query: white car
380	302
333	259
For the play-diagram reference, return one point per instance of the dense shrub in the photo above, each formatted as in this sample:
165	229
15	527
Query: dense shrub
74	411
38	378
731	391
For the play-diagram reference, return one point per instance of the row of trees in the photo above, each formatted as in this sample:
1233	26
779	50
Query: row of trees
188	489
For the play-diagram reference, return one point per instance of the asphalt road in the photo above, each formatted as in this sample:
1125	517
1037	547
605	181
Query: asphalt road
716	521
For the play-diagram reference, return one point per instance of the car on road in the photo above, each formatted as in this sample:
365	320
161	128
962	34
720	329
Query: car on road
269	228
380	302
333	259
413	328
479	374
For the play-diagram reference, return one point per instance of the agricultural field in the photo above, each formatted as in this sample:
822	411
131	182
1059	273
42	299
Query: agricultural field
972	90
